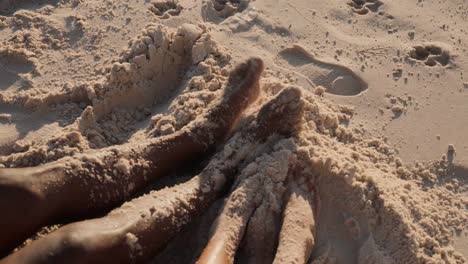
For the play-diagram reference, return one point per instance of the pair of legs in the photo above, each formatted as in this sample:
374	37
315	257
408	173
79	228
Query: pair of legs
137	229
87	183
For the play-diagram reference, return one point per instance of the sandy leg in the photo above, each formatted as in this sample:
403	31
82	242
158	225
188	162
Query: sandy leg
231	224
261	237
297	236
23	203
58	189
275	116
131	233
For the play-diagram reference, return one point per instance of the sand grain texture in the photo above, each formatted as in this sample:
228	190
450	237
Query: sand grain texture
383	136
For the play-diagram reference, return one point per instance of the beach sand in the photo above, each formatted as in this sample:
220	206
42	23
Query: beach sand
385	89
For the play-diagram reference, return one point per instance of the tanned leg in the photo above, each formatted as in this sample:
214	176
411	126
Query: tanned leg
79	185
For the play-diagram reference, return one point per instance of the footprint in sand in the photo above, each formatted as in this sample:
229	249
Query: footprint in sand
218	10
12	65
164	9
8	7
336	79
431	55
8	133
21	129
363	7
229	7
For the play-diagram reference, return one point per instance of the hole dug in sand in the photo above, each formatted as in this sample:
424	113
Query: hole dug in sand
14	68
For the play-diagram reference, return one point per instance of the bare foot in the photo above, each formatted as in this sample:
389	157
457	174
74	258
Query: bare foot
284	111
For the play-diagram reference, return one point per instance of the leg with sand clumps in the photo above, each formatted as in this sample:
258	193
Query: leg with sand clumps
261	237
297	236
138	229
78	186
232	222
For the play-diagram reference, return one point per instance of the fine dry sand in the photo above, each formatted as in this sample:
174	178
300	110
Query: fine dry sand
385	89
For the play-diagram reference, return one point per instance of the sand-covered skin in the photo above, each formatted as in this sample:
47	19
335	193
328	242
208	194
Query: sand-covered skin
384	136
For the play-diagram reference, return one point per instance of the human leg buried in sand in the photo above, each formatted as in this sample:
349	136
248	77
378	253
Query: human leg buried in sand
297	232
136	230
88	183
